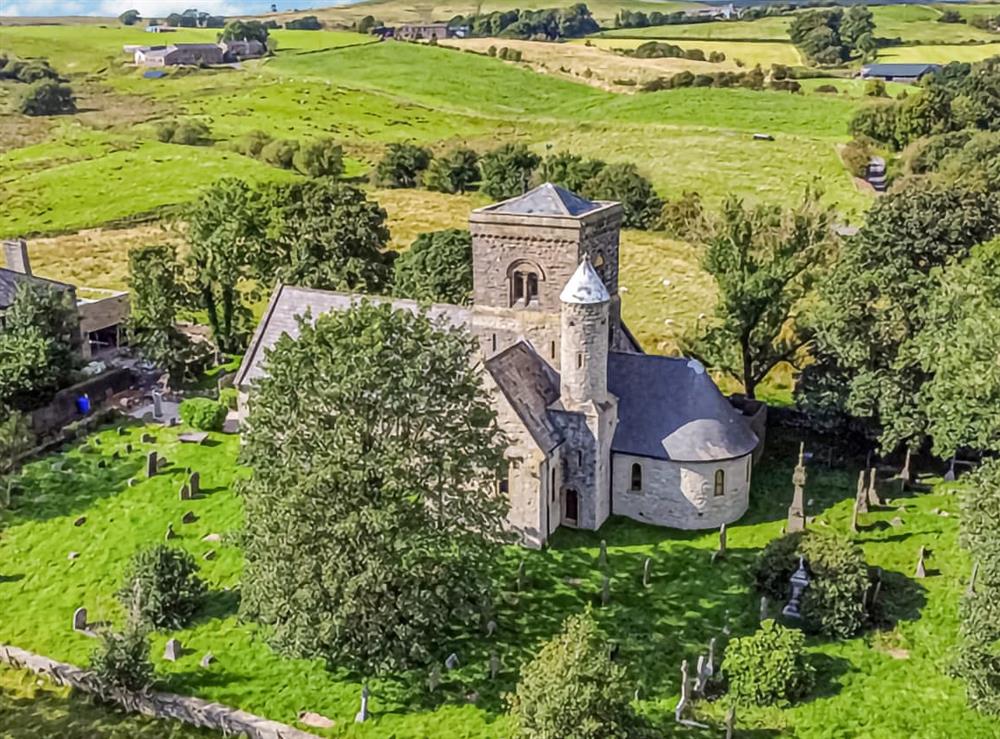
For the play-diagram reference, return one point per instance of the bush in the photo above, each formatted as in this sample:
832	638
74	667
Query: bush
191	133
280	153
506	172
121	661
826	89
696	55
162	587
203	414
165	130
622	182
46	97
437	267
875	89
253	143
454	172
678	217
856	155
716	57
834	602
768	667
786	85
572	689
401	165
319	158
229	397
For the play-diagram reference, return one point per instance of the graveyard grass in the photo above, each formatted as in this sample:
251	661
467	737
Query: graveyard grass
882	684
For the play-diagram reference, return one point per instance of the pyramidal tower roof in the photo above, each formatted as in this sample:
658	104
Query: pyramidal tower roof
585	287
547	200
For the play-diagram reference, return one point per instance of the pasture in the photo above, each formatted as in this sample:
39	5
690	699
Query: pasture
939	53
764	53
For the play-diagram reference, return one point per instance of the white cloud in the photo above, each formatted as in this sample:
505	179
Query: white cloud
163	8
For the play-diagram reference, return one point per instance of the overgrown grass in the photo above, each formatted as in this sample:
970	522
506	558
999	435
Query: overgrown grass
690	601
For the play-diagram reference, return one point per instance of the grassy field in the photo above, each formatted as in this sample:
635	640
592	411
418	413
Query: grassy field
774	28
939	54
689	602
919	23
764	53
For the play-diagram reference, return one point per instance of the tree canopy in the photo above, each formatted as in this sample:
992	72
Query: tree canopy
157	294
622	182
373	514
437	268
454	172
401	165
506	171
238	30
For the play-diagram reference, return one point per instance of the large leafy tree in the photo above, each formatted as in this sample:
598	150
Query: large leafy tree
227	229
569	170
37	346
437	267
327	235
572	689
875	302
506	172
239	30
372	514
156	295
623	183
765	261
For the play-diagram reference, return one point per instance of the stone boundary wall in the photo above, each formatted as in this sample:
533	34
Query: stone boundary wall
62	410
194	711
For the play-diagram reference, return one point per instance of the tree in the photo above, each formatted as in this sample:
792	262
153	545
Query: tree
162	589
857	22
401	165
227	230
769	666
319	158
156	295
571	689
244	31
37	346
325	234
950	16
506	172
622	182
16	438
280	153
569	170
366	24
373	515
765	260
454	172
46	97
437	268
129	17
875	301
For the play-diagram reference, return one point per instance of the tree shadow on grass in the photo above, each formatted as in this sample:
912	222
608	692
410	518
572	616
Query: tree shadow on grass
218	604
829	670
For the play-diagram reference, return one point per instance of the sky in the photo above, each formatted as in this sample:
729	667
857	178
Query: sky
147	8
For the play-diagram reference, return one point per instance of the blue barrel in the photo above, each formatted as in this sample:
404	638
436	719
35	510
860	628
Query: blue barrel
83	404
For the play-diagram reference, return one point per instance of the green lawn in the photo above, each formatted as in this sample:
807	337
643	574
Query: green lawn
885	684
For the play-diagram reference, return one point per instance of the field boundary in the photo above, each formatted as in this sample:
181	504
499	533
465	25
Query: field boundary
194	711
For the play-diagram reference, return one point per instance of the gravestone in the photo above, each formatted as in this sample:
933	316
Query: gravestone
730	722
602	555
896	522
72	555
157	404
605	591
80	619
120	431
80	521
212	537
685	694
494	665
161	463
151	464
521	576
172	651
647	567
451	662
949	476
873	499
854	517
921	568
128	448
194	484
170	533
184	493
763	608
904	474
147	438
971	587
189	517
209	555
723	535
699	686
434	678
362	715
491	627
796	511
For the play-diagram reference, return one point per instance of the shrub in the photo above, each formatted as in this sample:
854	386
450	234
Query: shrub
437	267
769	666
319	158
506	172
834	602
454	172
716	57
253	143
121	661
696	55
678	217
875	89
856	155
191	133
401	165
572	689
165	130
622	182
203	414
229	397
779	71
786	85
826	89
280	153
492	51
46	97
162	587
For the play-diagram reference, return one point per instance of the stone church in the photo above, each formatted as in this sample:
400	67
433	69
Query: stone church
596	426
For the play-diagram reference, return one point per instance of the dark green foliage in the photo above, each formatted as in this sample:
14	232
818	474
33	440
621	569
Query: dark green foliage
656	50
372	514
280	153
252	144
752	79
129	17
716	57
436	268
950	16
768	667
186	132
238	30
637	19
978	660
46	97
678	217
16	438
367	24
550	24
454	172
325	234
834	603
203	414
828	36
401	165
927	155
156	296
121	662
319	158
569	170
622	182
162	589
506	172
572	690
856	155
37	346
305	23
875	89
26	71
229	397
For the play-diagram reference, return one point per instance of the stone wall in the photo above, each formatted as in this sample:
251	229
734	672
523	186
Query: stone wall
62	409
193	711
681	494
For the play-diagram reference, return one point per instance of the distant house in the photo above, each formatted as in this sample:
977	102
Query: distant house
898	72
235	51
423	31
195	54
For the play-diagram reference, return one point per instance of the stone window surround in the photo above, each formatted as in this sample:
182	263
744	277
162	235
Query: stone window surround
523	283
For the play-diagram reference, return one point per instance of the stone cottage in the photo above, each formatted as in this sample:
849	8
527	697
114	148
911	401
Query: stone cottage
596	426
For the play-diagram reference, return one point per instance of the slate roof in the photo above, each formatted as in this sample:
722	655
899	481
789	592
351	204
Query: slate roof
10	279
546	200
288	303
530	385
585	287
669	408
898	70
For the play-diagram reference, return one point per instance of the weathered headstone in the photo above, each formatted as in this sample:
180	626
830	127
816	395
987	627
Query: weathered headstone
971	587
730	722
147	438
172	651
80	619
796	511
602	555
170	533
605	591
723	537
184	493
434	678
647	567
904	474
451	662
494	665
491	627
157	404
362	715
921	571
685	694
873	499
80	521
194	484
209	555
151	464
521	581
949	476
189	517
763	608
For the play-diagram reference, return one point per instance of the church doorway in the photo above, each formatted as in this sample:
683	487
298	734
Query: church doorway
571	507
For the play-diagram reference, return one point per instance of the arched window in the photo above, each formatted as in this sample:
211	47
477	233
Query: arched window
523	277
720	482
636	477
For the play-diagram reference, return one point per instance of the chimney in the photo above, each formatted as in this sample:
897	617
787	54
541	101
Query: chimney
15	254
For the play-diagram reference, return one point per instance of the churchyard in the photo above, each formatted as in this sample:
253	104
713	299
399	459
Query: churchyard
81	513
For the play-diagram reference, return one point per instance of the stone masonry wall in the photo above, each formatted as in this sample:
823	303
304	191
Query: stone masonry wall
584	366
681	494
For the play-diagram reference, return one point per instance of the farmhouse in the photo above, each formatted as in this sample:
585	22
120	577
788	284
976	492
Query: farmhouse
424	31
195	54
898	72
101	313
596	426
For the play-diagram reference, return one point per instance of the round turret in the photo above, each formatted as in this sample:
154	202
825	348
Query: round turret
584	318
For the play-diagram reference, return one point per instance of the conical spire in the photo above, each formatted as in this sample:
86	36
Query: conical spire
585	287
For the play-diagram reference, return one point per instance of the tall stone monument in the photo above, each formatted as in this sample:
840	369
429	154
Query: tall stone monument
796	511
